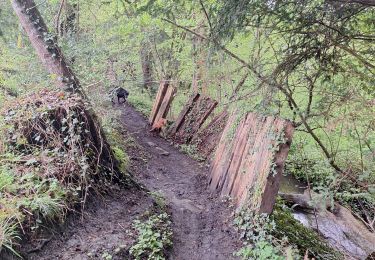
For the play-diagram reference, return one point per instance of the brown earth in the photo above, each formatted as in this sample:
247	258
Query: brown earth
202	222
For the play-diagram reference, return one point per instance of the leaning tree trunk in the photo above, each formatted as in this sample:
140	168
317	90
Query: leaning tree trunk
45	45
52	58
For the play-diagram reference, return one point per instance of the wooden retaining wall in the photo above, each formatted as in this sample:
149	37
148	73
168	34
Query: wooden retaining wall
162	102
207	138
192	117
250	151
249	160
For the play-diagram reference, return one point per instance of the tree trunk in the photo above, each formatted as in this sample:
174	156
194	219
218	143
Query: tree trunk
146	62
52	58
45	45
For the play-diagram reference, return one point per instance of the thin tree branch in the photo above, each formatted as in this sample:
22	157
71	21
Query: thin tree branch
356	55
57	21
206	14
269	82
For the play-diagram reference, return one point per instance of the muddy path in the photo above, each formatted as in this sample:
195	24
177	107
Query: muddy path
202	222
103	229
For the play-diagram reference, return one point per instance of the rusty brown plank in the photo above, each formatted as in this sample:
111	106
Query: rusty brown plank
239	154
255	163
230	149
221	154
158	101
194	119
180	119
165	105
208	138
211	106
214	124
250	167
273	180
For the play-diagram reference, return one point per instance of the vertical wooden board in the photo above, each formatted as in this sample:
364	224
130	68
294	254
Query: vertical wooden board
273	181
212	125
211	107
158	101
190	118
221	153
249	167
258	160
239	152
262	165
164	107
224	172
194	119
208	138
266	200
193	98
247	161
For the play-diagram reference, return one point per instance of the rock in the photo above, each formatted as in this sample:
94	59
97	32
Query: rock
162	151
342	231
151	144
337	225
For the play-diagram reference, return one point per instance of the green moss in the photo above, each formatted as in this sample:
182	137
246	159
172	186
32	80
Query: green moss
121	157
302	237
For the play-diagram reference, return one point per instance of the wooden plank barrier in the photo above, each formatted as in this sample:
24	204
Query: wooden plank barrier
207	138
181	117
192	117
249	160
158	100
162	102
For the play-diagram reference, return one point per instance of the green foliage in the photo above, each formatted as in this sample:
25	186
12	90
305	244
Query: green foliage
8	235
107	256
279	236
154	237
141	102
27	194
319	52
48	159
159	200
6	179
324	180
192	151
259	242
121	157
262	249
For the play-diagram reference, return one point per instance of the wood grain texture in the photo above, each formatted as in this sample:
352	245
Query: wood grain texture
249	167
194	118
165	104
208	137
158	101
181	117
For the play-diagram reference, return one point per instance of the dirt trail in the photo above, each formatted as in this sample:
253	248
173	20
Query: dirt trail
202	223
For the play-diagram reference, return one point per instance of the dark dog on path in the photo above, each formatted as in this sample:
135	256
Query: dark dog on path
120	93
